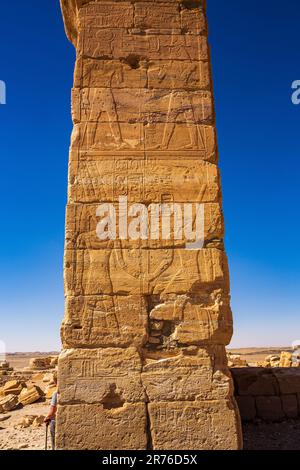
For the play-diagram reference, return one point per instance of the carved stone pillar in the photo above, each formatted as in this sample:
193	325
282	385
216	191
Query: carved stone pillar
147	318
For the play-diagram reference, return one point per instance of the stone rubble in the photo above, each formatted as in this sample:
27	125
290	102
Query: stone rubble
30	420
30	395
8	403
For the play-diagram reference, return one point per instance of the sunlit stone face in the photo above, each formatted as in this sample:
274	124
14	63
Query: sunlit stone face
146	277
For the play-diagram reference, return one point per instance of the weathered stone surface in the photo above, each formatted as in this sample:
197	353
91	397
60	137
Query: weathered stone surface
41	363
179	74
290	406
136	105
273	360
30	395
96	271
154	179
93	73
111	43
90	139
152	15
247	407
83	221
195	320
107	14
196	375
110	376
269	408
4	366
102	321
94	427
255	381
286	359
190	21
288	380
235	360
30	420
207	425
8	403
12	387
147	309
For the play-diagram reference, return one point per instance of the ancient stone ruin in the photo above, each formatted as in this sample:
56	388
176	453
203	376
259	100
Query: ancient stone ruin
147	319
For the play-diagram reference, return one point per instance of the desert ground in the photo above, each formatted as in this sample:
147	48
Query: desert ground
14	435
255	355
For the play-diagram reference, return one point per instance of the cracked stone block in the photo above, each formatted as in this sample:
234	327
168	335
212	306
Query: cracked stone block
246	405
96	427
207	425
111	376
290	406
269	408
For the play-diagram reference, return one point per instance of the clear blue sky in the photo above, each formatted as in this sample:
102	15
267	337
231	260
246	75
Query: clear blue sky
256	57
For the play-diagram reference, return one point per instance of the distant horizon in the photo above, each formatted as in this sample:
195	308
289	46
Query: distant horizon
227	347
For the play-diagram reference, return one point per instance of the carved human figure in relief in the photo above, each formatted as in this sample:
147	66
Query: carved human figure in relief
98	101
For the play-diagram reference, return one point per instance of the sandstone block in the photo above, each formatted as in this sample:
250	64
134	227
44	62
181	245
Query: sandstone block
30	420
269	408
111	43
194	425
255	381
151	15
94	427
105	14
134	72
71	9
105	320
185	376
139	271
286	359
154	179
40	363
13	387
30	395
47	377
8	403
138	105
93	73
86	225
246	405
193	21
176	74
288	380
54	361
4	365
290	406
110	376
192	323
183	140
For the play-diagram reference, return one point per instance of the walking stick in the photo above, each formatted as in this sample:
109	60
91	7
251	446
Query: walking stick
46	439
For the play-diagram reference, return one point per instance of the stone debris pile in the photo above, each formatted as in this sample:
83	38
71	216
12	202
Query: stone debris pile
42	363
19	393
235	360
284	359
30	420
5	368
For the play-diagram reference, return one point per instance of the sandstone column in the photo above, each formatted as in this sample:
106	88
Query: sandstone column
147	320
